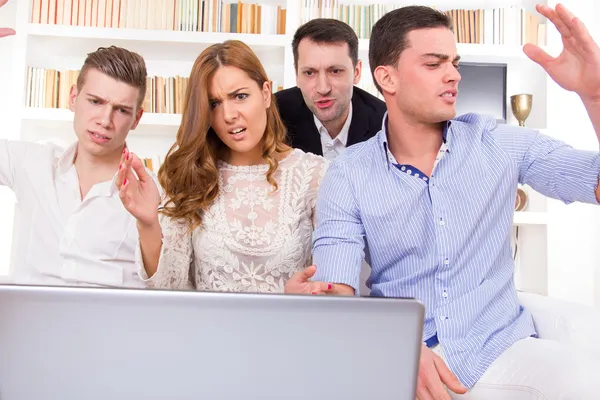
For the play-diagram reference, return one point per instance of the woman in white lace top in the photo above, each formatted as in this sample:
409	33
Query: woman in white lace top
239	207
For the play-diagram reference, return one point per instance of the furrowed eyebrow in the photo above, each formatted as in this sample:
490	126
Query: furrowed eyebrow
309	68
103	100
441	57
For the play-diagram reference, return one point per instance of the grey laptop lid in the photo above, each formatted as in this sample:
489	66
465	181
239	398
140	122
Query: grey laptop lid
88	343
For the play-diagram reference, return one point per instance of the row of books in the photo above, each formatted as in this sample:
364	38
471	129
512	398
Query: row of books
508	25
165	94
503	26
49	88
174	15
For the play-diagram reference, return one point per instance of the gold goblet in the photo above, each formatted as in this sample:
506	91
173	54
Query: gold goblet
521	200
521	106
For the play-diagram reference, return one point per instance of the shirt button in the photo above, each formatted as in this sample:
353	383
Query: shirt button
443	317
445	295
442	223
446	262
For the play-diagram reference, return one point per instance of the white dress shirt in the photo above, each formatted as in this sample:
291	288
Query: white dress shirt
61	239
334	147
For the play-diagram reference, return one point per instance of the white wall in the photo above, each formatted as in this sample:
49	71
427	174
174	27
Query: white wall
574	230
7	130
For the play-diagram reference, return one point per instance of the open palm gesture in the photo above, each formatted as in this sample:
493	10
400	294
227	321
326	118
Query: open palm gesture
139	194
300	283
5	31
577	68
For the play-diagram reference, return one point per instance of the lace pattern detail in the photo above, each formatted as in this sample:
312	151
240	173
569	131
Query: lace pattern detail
252	239
175	257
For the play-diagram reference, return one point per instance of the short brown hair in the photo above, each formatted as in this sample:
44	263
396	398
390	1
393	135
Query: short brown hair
120	64
390	33
328	31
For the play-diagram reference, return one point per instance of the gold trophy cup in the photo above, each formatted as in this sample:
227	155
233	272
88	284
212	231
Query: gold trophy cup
521	106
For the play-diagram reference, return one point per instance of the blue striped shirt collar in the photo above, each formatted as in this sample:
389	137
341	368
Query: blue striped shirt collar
446	134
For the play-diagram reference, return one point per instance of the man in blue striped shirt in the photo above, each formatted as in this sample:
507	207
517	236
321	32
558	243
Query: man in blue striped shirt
429	202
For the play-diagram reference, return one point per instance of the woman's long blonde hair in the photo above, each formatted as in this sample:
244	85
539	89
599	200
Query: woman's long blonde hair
189	174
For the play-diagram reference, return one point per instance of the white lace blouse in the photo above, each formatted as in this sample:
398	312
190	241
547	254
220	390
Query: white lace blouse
251	239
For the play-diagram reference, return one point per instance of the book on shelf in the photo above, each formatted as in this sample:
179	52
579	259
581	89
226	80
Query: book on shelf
165	94
509	25
49	88
153	163
498	26
173	15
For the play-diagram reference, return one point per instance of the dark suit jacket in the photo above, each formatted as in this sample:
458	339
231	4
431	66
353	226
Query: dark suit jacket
367	116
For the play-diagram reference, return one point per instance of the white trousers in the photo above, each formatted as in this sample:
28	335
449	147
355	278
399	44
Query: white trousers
538	369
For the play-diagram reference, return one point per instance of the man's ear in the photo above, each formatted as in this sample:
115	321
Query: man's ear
73	97
357	72
385	78
138	116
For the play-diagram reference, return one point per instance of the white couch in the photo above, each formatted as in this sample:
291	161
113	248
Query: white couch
566	322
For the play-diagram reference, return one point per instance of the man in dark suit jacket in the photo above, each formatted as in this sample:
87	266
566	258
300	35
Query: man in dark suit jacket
326	112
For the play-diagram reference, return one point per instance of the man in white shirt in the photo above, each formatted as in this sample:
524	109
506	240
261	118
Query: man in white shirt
73	229
326	112
334	143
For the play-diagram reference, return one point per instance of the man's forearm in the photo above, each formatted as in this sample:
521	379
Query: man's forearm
592	107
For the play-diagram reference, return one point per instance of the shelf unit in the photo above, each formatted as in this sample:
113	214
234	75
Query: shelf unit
169	53
533	218
74	33
32	116
480	53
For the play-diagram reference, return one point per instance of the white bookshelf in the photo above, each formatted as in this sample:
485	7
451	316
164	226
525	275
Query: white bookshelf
63	33
40	123
166	52
170	53
481	53
34	115
532	218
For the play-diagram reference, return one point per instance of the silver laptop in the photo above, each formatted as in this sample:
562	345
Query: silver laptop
91	343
